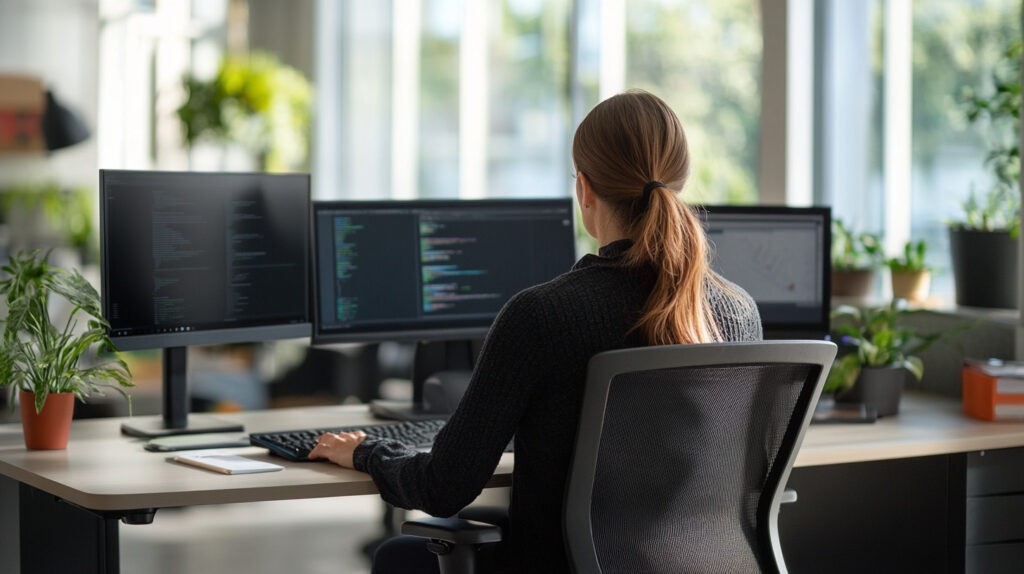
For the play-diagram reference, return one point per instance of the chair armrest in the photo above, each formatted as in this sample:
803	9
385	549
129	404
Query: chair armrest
453	530
788	495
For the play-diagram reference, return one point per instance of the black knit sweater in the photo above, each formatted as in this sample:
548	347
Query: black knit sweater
528	382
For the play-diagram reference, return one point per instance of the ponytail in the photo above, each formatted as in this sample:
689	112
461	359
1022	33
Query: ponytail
622	144
669	236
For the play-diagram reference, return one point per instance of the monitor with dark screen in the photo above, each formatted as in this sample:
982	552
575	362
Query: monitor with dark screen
781	256
432	271
199	259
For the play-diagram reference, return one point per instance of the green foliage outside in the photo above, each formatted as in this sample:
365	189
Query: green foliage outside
256	102
960	52
852	250
40	357
1000	105
704	60
68	212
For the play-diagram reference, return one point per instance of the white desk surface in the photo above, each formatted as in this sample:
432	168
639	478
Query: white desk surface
101	469
926	425
104	470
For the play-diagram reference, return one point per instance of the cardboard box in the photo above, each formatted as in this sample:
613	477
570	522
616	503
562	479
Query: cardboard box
22	103
993	391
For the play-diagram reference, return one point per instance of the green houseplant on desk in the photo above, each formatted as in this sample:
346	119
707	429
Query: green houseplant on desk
879	354
48	363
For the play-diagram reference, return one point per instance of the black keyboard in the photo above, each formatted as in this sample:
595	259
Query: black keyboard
296	444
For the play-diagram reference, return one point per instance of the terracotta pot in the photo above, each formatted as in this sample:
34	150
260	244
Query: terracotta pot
49	429
911	285
852	282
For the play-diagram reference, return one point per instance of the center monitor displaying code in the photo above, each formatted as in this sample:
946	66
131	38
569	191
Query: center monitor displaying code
431	269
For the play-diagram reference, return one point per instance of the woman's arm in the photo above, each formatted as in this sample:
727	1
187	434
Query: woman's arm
514	357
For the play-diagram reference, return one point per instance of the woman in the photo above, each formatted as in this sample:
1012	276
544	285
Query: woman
651	284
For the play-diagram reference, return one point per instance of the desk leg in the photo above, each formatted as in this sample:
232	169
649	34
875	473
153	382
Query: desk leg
60	537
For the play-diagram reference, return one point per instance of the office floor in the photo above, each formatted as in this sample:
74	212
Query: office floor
296	536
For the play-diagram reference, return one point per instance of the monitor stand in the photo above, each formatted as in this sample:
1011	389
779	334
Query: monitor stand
430	357
175	419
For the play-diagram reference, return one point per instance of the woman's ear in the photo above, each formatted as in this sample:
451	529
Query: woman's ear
586	192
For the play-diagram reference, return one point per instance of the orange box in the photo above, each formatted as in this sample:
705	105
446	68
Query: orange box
992	394
22	103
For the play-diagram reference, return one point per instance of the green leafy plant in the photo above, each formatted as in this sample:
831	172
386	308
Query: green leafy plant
852	250
875	338
912	258
254	101
42	358
68	212
999	208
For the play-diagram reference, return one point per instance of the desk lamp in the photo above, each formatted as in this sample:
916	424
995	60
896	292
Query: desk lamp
61	127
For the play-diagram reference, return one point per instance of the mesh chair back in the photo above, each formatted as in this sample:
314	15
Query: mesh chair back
683	452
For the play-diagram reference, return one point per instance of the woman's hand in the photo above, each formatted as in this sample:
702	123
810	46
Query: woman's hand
338	448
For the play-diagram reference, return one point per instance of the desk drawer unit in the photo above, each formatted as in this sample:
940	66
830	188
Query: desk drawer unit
994	538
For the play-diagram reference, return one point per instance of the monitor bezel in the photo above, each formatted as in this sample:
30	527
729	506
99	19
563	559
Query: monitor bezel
820	327
321	336
269	331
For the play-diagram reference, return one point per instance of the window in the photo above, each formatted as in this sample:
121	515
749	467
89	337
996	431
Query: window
704	60
956	44
444	98
935	49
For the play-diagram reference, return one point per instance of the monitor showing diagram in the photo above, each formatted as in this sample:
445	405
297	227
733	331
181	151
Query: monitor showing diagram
780	255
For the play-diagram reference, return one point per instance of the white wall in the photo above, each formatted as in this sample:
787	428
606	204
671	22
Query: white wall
55	40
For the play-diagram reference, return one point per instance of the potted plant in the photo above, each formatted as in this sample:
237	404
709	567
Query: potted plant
254	102
50	363
877	353
855	257
46	213
910	276
983	243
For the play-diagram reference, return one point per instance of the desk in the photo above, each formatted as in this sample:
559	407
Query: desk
929	490
103	477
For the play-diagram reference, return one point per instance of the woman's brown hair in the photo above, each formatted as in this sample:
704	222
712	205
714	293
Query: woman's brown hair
623	145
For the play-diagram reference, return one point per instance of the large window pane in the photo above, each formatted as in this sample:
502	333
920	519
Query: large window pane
439	118
704	59
528	140
482	98
956	44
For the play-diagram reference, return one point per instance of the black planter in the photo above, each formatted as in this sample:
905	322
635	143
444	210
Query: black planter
984	268
879	387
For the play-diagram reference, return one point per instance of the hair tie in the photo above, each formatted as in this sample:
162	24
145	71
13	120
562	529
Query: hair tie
651	186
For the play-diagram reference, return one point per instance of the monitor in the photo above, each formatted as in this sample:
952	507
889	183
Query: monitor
198	259
432	271
782	257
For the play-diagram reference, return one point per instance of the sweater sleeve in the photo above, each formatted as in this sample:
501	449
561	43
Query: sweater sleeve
468	448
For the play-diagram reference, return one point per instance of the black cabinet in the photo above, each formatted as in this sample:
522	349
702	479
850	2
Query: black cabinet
960	512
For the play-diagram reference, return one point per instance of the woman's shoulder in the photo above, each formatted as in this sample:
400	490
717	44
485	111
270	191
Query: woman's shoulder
735	309
569	290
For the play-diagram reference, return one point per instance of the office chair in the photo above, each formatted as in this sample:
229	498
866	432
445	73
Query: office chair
681	460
